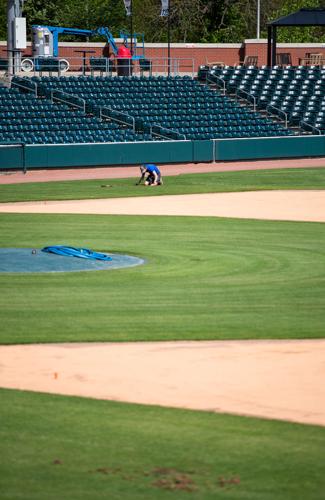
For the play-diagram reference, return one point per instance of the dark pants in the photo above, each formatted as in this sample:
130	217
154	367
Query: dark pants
151	179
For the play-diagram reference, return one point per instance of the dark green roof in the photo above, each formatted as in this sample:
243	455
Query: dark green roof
303	17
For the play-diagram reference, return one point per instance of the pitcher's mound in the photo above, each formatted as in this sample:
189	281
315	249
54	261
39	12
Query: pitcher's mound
31	260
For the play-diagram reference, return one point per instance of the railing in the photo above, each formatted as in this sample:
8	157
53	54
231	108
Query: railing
215	81
107	112
169	131
241	91
70	99
302	122
25	84
102	65
279	111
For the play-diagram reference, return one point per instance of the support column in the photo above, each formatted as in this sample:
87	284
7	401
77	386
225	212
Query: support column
269	45
274	46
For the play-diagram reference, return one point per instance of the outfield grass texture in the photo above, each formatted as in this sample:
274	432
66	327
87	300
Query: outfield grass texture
311	178
204	278
55	447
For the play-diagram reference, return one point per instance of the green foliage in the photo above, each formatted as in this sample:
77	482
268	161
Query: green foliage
298	35
89	14
43	13
3	19
190	20
92	14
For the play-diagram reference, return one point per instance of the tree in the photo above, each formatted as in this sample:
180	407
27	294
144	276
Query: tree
40	12
298	35
188	20
91	14
3	19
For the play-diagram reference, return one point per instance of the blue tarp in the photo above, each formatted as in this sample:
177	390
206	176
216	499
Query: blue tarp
81	253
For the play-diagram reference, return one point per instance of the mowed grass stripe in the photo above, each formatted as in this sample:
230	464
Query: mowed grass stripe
311	178
71	448
204	278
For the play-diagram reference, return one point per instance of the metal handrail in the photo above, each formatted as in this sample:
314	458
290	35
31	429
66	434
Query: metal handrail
111	110
216	83
72	64
167	129
280	111
311	126
247	93
15	83
67	101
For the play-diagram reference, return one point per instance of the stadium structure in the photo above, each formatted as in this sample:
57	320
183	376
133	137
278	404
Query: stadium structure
125	110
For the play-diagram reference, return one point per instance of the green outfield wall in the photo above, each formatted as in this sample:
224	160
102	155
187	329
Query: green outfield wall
270	147
25	157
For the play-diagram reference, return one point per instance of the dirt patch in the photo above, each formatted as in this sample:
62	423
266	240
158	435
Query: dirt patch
255	378
119	172
273	205
174	480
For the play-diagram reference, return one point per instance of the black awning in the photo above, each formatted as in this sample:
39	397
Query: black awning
303	17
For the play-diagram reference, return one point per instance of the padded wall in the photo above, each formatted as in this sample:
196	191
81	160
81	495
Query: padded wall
82	155
270	147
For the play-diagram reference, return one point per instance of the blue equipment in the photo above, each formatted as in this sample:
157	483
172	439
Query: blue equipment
82	253
46	39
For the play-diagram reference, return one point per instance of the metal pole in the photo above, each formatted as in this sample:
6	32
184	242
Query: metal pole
14	9
10	35
168	34
273	60
131	27
258	19
269	45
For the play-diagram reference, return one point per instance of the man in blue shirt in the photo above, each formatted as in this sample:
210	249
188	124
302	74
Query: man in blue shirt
151	175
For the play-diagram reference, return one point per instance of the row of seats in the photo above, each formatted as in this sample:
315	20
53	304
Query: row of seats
166	101
34	120
60	137
294	93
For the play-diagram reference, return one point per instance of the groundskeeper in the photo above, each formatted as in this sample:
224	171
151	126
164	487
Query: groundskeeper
150	174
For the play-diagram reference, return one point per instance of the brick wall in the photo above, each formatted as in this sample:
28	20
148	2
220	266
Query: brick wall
230	54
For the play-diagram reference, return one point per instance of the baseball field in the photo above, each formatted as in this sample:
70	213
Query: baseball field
220	336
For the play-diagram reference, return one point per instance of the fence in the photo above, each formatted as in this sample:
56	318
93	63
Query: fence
90	65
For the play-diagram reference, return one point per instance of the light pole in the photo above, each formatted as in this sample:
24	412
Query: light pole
131	27
168	37
258	19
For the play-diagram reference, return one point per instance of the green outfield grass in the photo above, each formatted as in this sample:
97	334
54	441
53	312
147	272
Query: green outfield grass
55	447
312	178
204	278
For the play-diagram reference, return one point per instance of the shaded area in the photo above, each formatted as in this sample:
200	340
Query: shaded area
31	260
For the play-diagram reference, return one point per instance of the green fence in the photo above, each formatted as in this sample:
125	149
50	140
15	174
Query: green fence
271	147
26	157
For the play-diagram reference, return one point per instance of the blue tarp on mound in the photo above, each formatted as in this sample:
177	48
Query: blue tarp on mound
29	260
81	253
